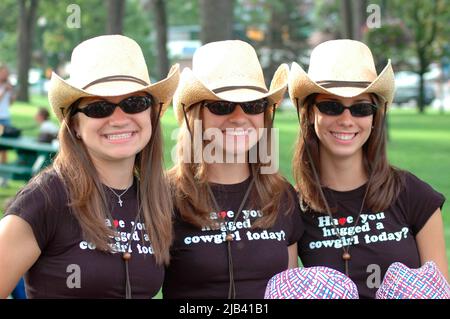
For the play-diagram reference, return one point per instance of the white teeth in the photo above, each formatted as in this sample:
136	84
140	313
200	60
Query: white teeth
344	137
236	132
113	137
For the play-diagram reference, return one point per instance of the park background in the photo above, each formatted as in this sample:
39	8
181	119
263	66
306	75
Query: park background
37	37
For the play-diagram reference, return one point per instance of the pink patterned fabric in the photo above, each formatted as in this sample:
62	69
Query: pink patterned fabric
401	282
311	283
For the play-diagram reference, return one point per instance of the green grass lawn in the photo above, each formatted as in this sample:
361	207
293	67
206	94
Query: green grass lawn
419	143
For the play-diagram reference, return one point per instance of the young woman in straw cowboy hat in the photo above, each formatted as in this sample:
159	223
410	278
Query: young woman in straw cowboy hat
97	224
236	220
360	213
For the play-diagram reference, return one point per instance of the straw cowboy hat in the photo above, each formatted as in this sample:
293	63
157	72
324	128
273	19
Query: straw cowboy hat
344	68
227	70
401	282
311	283
110	65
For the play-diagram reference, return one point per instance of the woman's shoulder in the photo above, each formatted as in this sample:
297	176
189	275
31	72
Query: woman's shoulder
47	181
47	188
42	204
418	200
289	197
415	185
288	188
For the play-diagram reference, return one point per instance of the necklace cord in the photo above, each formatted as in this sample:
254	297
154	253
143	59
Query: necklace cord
126	257
232	286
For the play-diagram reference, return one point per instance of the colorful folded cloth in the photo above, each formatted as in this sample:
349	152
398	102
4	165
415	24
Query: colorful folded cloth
402	282
311	283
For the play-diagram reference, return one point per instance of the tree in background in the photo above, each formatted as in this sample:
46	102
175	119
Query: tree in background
352	17
216	20
277	29
116	10
159	17
346	19
414	34
54	38
26	26
426	23
9	15
183	12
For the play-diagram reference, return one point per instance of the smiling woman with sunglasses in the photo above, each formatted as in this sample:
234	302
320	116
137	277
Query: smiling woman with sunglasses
360	213
236	221
97	223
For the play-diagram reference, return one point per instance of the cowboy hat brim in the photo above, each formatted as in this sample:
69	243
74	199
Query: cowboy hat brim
62	93
301	86
192	90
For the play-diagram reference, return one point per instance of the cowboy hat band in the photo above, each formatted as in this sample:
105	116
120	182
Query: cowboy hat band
108	66
345	68
238	87
230	71
116	78
333	84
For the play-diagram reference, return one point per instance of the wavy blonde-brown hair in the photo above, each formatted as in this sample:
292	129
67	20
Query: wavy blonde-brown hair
189	181
87	198
385	182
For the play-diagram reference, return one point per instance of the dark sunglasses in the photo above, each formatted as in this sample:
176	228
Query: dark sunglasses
226	107
335	108
130	105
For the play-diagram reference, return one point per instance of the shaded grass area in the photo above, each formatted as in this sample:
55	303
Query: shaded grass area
419	143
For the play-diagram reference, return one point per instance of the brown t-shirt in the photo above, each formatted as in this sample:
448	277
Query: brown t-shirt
199	260
71	267
378	240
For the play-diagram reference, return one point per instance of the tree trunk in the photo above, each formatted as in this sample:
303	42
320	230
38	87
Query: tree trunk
359	18
160	18
421	96
216	20
274	40
423	65
441	92
424	36
346	19
26	26
114	22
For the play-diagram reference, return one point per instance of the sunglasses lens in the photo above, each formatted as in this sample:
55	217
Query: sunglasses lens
220	107
136	104
362	109
99	109
330	108
255	107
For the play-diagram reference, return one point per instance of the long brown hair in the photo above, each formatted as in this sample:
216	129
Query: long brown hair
189	181
385	183
87	198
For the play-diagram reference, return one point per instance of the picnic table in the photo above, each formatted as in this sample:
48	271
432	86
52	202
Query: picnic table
32	156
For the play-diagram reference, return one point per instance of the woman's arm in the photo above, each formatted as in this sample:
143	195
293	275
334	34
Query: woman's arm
19	251
293	256
431	242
